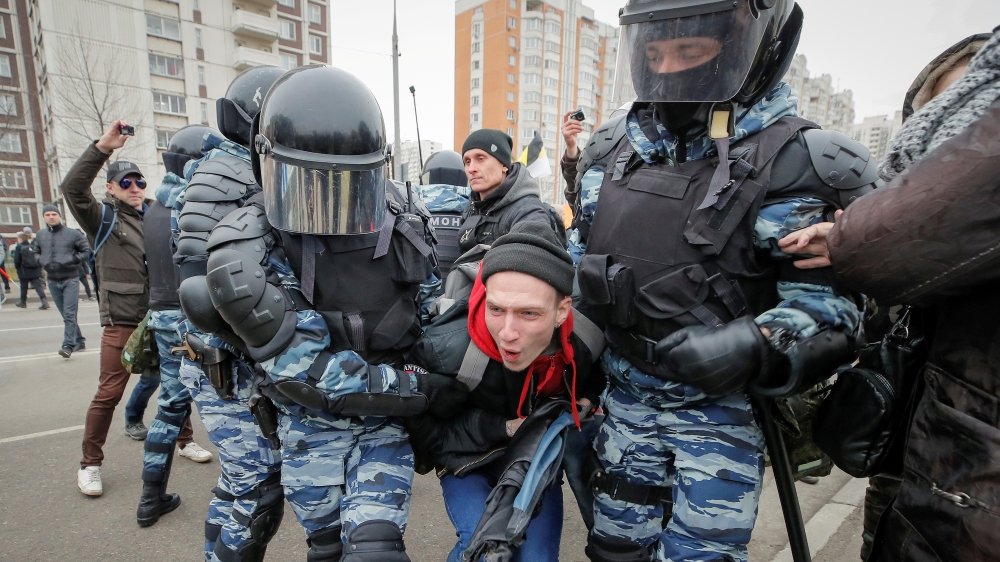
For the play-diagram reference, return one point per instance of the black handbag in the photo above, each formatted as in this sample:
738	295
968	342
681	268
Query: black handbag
862	424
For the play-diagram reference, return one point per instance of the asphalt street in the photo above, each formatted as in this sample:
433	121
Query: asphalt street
43	517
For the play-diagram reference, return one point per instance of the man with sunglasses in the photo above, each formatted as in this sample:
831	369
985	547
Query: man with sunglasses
114	229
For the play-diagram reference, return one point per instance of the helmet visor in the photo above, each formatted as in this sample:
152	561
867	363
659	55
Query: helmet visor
698	58
316	201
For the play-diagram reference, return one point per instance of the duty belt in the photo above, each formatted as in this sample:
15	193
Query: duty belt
622	490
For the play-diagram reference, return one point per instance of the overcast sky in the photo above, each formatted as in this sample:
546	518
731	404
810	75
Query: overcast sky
873	47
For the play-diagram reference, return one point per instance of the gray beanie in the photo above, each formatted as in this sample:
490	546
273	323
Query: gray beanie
52	208
491	141
531	247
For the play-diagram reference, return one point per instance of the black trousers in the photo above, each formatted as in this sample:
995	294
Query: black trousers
37	284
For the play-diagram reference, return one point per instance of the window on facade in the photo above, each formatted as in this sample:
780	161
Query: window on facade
532	78
512	41
15	215
552	46
289	62
528	133
8	106
586	60
512	60
10	142
551	27
287	3
531	96
475	47
533	60
315	45
13	179
510	114
510	96
549	135
532	24
512	23
551	82
475	82
475	100
204	112
549	63
163	138
3	29
315	14
196	6
513	4
201	75
475	65
511	79
587	78
510	131
4	66
475	117
549	117
610	74
477	29
529	115
287	29
166	103
588	43
197	38
585	95
550	100
532	43
166	66
163	27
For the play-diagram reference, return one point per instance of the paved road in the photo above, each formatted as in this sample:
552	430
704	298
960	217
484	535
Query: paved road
44	517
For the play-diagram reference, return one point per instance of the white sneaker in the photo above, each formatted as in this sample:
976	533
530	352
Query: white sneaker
89	480
194	452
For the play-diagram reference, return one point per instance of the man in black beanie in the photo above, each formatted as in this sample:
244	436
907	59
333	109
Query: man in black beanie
63	250
503	192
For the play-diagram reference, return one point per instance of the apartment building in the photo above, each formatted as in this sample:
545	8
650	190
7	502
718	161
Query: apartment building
819	100
876	133
159	64
24	181
409	157
520	65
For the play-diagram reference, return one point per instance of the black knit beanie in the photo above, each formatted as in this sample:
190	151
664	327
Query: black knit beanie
491	141
531	247
52	208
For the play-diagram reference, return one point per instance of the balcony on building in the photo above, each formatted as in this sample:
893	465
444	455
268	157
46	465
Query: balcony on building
255	26
245	57
268	4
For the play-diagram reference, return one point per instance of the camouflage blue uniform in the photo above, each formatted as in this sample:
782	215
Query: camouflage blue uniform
245	455
708	448
339	471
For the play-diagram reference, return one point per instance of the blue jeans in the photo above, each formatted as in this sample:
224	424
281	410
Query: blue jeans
465	501
143	391
66	293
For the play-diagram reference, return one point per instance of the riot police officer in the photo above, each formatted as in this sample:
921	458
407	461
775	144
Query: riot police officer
318	277
248	502
444	188
681	265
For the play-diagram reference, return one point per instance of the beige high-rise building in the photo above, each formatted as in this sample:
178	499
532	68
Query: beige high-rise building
520	65
819	99
158	64
876	133
409	156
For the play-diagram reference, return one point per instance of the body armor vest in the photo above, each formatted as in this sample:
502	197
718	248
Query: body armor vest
665	251
163	274
446	225
366	291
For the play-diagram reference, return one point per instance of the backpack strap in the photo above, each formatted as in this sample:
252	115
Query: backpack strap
589	333
473	367
108	219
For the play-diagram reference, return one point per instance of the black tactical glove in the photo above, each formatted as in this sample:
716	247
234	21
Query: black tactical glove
445	395
718	361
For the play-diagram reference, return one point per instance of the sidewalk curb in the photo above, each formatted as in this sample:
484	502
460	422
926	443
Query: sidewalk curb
825	522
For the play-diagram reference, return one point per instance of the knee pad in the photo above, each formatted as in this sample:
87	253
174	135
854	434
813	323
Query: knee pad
607	549
212	532
375	541
325	546
263	523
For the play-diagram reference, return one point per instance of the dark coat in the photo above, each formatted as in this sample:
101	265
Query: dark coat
63	251
929	238
21	260
121	262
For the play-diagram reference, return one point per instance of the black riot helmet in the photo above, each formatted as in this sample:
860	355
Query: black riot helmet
705	50
246	92
320	153
186	144
445	167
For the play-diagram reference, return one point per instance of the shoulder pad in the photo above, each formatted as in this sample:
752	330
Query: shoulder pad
246	223
204	215
230	167
840	161
602	143
226	178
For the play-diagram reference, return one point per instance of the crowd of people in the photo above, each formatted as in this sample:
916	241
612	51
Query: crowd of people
340	331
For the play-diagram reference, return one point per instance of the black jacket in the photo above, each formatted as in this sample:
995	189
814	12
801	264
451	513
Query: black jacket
477	435
63	250
27	261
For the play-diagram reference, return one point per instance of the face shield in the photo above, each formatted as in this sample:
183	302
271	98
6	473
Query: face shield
323	201
687	51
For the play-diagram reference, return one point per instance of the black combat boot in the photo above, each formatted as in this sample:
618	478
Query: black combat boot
155	501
